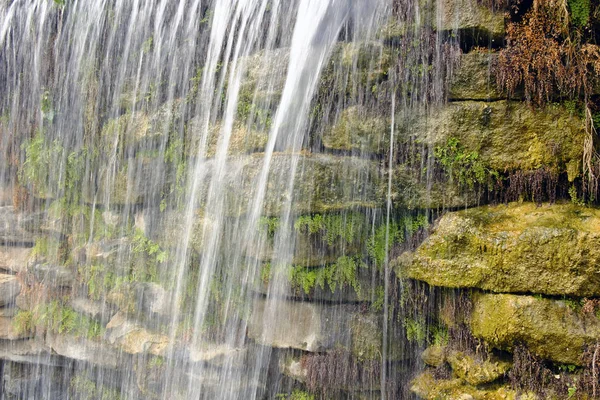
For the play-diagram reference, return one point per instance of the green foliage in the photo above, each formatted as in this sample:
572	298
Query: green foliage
580	12
83	388
297	394
269	225
397	232
415	330
146	255
463	166
23	322
332	227
343	273
575	198
57	318
440	336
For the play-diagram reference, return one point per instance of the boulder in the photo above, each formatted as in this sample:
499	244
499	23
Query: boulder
434	355
549	328
519	248
10	287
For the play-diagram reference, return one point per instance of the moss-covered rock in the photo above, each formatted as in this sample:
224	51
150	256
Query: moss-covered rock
507	135
553	250
358	130
476	372
426	386
473	79
549	328
434	355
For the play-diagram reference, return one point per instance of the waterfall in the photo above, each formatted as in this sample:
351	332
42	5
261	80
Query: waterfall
202	199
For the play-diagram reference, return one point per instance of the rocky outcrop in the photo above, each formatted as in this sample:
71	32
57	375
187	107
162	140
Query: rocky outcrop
10	287
519	248
549	328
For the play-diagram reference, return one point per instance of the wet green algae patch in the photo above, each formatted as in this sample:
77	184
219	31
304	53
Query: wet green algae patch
516	248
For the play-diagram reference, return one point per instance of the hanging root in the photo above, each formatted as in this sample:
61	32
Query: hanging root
590	180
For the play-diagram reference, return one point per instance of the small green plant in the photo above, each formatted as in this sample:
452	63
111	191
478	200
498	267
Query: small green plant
297	394
269	225
332	227
574	197
579	11
342	273
415	330
464	167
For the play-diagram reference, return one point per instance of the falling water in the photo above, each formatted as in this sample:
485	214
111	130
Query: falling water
197	220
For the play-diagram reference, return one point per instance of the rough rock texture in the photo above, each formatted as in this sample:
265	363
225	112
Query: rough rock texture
473	79
8	331
53	275
357	130
132	338
9	289
83	349
476	372
425	386
508	135
549	328
553	249
11	231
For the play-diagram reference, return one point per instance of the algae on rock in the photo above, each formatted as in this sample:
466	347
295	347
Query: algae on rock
521	248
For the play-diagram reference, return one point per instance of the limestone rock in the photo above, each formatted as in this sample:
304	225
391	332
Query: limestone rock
473	79
507	135
358	130
434	355
300	325
53	275
11	232
8	331
14	259
548	328
82	349
476	372
9	289
425	386
133	338
28	351
553	250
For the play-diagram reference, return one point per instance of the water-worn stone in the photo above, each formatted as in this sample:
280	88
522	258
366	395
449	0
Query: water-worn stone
11	232
8	331
300	325
476	372
552	249
53	275
131	338
14	259
28	351
549	328
82	349
10	287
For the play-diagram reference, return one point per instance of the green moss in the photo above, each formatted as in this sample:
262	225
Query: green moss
580	12
84	388
332	227
296	394
551	250
58	318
